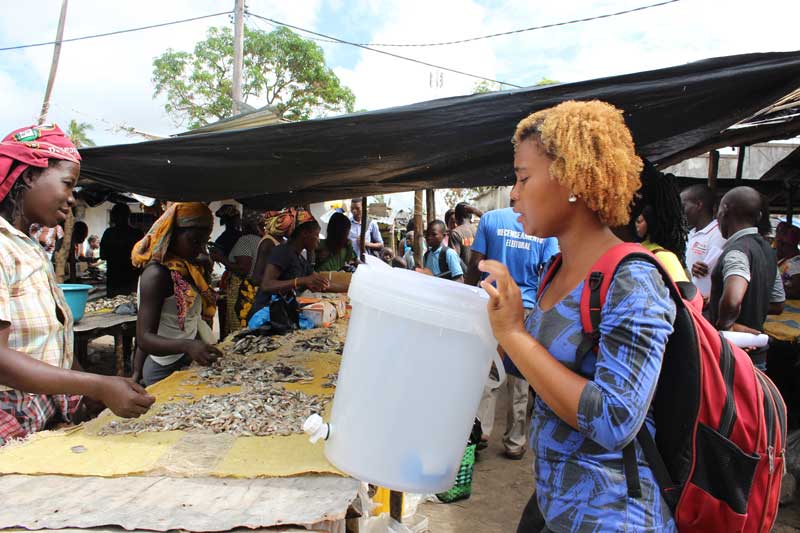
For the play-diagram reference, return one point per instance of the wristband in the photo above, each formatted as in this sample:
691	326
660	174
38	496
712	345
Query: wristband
295	283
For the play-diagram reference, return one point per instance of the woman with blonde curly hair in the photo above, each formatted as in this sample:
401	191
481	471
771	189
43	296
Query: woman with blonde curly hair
576	174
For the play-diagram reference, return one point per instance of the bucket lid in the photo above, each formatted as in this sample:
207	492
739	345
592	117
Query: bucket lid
423	298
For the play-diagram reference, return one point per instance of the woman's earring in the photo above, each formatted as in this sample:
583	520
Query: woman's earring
572	199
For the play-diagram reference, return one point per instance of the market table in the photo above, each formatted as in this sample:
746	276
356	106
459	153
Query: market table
94	325
85	477
782	358
786	326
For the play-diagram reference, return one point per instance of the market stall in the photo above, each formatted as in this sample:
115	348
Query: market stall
221	448
104	316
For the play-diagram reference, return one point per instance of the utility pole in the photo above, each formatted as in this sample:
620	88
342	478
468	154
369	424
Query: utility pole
54	65
238	51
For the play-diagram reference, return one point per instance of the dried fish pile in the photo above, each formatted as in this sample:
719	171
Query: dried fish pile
333	379
320	343
278	412
254	374
263	407
102	304
251	344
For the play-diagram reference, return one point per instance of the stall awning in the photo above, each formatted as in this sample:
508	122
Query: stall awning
453	142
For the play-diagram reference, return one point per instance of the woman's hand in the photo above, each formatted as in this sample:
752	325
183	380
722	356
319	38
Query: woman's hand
316	282
506	312
202	353
123	396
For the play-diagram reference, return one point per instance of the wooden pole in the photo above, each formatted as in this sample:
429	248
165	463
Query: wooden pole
238	54
740	166
364	224
66	246
430	204
419	230
713	169
396	506
54	65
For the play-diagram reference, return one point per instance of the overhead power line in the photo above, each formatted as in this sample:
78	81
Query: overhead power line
118	32
390	54
522	30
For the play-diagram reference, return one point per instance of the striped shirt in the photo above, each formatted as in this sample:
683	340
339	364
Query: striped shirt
31	301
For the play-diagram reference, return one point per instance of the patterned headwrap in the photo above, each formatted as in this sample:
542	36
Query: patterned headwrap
154	248
33	146
280	223
252	218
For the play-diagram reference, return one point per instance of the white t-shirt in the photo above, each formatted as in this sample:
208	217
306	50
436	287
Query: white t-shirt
702	244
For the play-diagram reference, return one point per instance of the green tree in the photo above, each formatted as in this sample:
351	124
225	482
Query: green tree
484	86
78	133
279	67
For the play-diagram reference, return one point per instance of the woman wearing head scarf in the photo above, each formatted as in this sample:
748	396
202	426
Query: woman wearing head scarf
278	225
576	174
290	268
176	303
39	167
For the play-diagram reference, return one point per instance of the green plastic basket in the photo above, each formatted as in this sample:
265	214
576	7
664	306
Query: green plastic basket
462	489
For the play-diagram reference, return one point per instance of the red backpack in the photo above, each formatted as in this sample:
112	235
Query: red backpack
718	454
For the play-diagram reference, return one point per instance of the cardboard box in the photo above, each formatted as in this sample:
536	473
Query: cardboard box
342	278
320	313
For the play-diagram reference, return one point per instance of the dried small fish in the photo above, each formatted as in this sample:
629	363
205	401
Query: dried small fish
252	344
280	412
333	379
102	304
324	343
262	407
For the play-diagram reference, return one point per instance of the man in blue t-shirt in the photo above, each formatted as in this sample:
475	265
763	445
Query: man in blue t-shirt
433	261
500	236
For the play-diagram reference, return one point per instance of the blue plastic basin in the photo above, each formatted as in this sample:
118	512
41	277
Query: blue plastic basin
76	296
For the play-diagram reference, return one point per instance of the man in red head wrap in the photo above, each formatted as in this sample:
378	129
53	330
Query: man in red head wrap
39	168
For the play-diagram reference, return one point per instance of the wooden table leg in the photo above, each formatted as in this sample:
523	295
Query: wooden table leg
119	352
82	350
396	506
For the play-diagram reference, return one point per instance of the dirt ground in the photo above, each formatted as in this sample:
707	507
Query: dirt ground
502	487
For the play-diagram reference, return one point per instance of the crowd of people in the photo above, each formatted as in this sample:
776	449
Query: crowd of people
570	198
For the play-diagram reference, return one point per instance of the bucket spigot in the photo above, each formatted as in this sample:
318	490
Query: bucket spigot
316	428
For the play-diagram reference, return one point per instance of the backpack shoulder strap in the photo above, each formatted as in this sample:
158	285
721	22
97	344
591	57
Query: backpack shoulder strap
546	275
599	278
593	297
443	266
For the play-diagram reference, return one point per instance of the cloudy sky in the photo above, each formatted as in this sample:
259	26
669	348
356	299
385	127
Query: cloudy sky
107	81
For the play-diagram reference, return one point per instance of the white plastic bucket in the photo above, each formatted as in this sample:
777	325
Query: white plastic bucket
416	360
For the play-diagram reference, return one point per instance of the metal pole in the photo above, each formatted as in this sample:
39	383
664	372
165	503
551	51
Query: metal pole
238	45
419	230
364	224
54	65
790	188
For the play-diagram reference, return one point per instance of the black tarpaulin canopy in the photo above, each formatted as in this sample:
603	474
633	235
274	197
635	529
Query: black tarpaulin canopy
674	113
